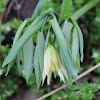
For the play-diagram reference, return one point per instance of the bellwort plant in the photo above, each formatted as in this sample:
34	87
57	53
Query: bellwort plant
49	42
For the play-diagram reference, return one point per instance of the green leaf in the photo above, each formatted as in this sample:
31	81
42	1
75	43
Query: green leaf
37	69
20	30
39	58
63	46
86	96
17	36
18	63
67	34
28	58
21	55
75	45
9	67
94	87
18	46
65	64
67	27
39	8
47	40
65	9
40	47
80	36
74	96
78	62
32	29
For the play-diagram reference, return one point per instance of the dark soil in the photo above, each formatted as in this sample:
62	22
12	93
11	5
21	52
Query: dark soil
26	95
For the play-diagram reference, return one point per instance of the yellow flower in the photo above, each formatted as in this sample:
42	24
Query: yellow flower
51	64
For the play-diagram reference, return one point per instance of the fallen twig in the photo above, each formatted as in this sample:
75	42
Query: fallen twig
79	77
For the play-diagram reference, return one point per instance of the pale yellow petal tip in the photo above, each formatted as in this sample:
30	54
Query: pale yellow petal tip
42	82
43	77
61	75
64	71
48	78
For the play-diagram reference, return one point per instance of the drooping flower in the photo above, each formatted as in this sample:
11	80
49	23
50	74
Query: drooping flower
52	64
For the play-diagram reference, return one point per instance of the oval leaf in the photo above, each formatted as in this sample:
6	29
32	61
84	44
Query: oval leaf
75	45
80	36
67	27
28	58
39	58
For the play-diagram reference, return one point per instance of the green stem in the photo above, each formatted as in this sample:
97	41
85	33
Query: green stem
85	8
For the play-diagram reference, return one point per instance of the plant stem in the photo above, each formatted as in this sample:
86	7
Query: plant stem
85	8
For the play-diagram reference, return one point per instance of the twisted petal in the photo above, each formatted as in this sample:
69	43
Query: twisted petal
51	64
61	75
47	61
61	67
63	70
53	57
